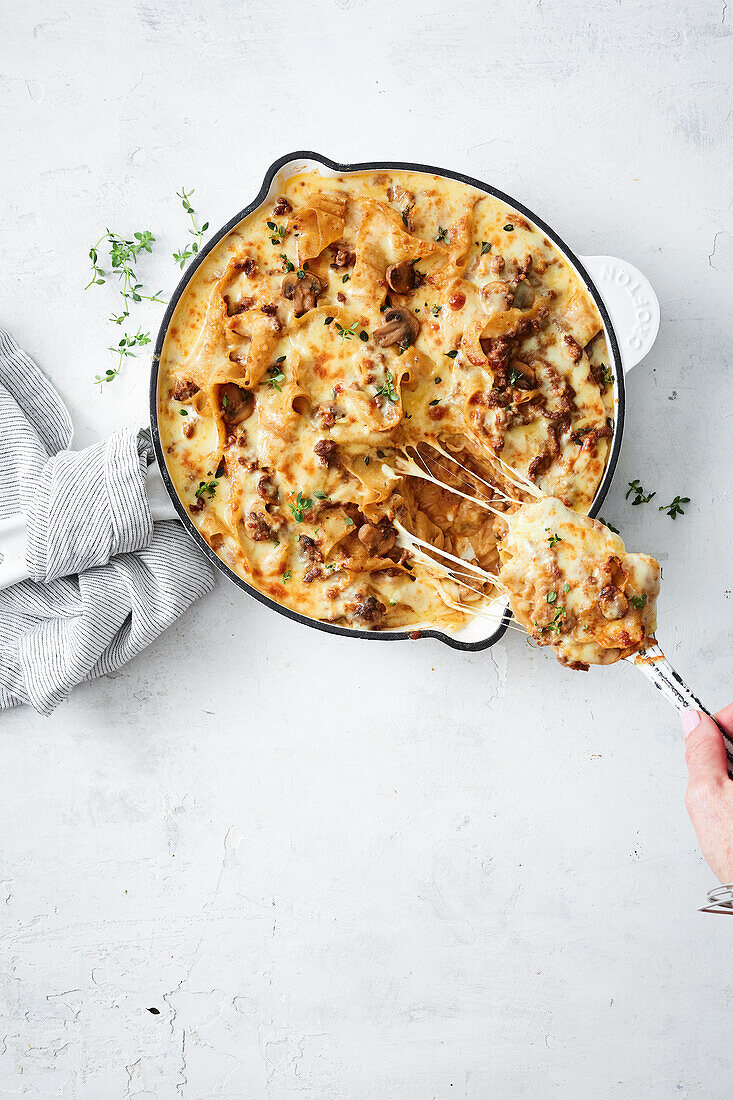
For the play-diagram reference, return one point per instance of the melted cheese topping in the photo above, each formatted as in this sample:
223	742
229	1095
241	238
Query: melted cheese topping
289	391
572	585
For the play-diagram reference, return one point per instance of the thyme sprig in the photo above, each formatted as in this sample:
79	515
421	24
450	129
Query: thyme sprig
196	231
123	349
640	497
675	508
387	388
123	256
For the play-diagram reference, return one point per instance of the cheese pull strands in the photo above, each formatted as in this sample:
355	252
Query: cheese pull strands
429	463
472	473
516	478
451	574
409	541
407	467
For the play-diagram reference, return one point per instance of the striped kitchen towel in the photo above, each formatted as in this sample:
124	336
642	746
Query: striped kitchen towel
105	580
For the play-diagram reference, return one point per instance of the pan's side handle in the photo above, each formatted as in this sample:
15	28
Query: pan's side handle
161	505
631	302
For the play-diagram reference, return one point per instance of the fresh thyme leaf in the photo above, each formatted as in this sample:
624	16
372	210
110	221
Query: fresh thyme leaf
281	359
551	597
554	538
275	376
349	522
208	487
279	232
347	333
638	601
288	265
443	235
366	460
508	228
387	389
566	588
485	247
183	412
435	401
123	349
345	278
363	335
380	454
514	376
640	497
328	321
451	354
675	508
608	525
287	574
224	400
556	625
302	505
435	310
437	380
196	231
606	375
320	495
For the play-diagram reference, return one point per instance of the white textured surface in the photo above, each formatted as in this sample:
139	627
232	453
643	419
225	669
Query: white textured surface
345	869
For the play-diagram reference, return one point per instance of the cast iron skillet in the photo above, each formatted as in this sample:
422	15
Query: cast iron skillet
476	635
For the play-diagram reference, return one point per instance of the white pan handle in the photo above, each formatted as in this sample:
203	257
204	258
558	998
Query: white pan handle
161	504
631	302
14	531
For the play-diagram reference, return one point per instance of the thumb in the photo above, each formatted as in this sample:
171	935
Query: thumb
704	749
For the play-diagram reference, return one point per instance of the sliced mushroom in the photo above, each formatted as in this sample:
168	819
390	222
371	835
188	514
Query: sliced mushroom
612	602
303	290
400	277
377	540
523	296
236	404
400	327
496	297
521	376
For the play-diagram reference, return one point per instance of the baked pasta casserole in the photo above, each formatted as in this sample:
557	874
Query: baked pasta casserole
373	354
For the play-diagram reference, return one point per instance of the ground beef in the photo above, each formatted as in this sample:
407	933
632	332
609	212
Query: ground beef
574	348
257	527
308	549
369	611
267	488
326	450
184	391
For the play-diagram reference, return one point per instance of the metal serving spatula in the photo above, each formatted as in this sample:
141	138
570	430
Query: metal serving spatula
659	671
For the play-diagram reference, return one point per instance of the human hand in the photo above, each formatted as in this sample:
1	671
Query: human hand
709	798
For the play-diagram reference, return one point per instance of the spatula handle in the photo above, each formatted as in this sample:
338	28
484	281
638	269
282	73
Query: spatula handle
668	681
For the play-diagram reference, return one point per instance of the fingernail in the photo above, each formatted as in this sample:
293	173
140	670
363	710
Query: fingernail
690	721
